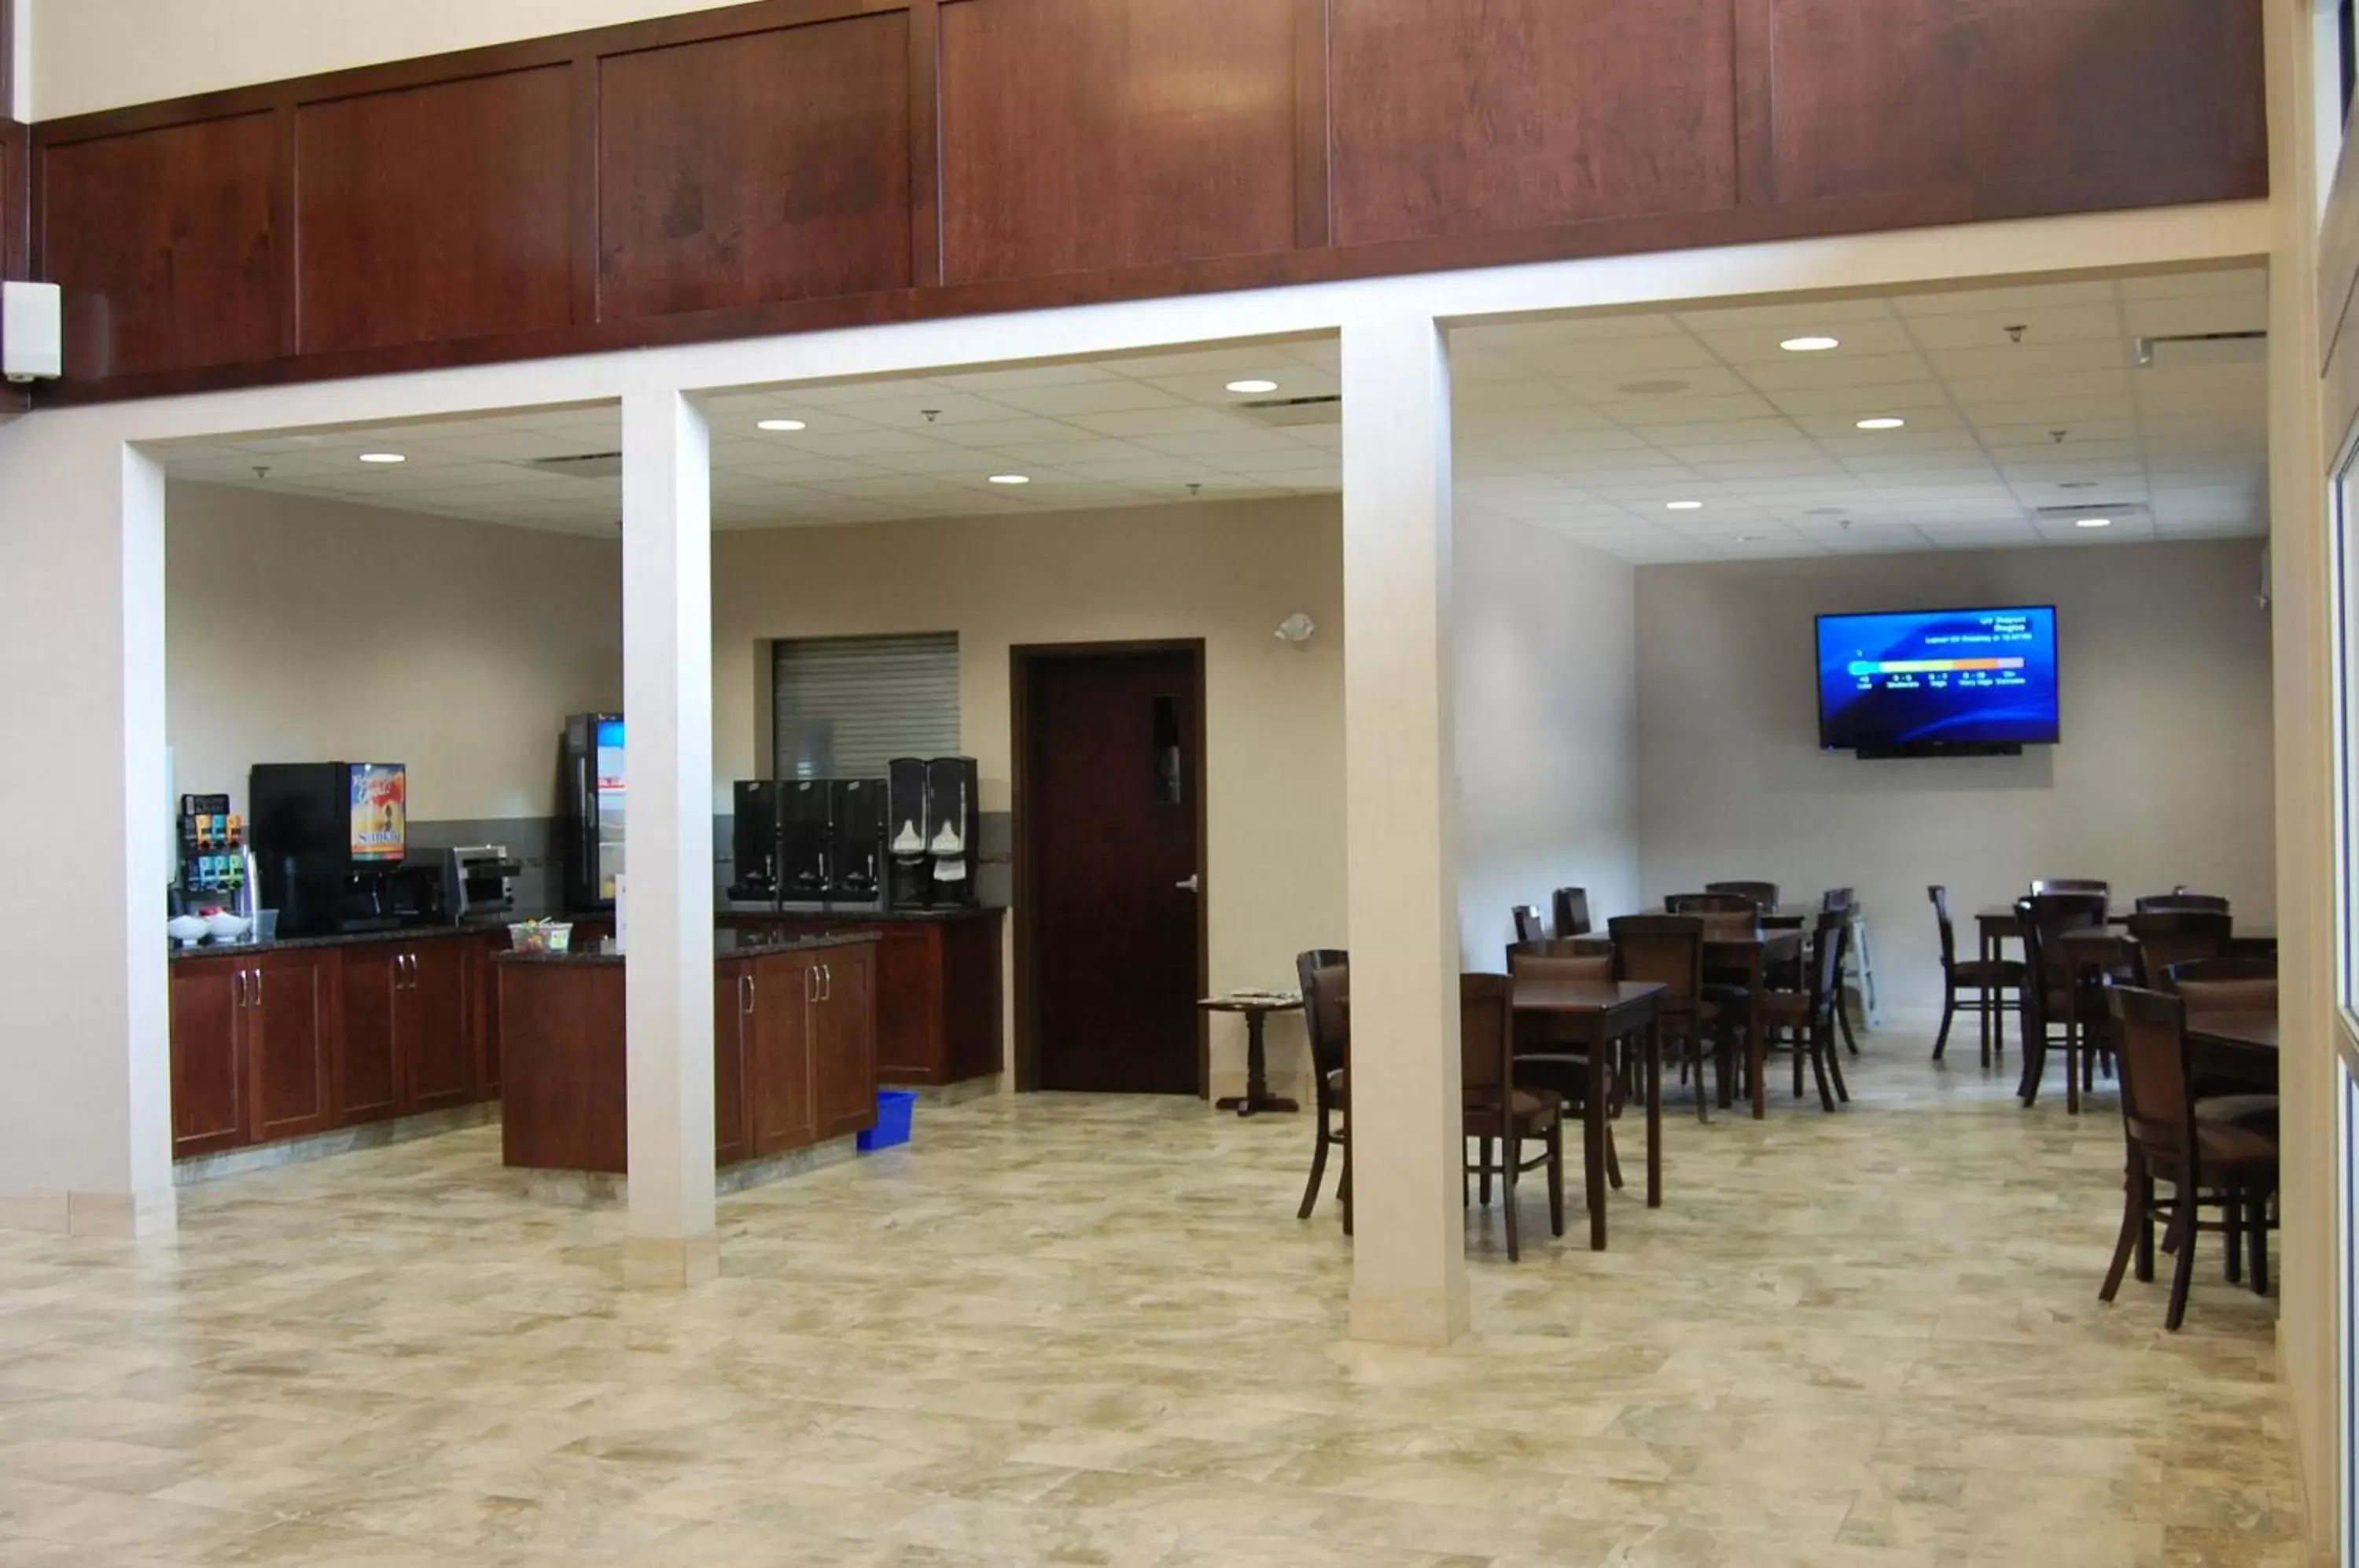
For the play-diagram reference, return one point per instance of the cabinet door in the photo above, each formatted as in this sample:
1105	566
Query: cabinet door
732	999
844	1042
483	1010
437	1047
207	1069
909	1048
287	1037
368	1082
778	1070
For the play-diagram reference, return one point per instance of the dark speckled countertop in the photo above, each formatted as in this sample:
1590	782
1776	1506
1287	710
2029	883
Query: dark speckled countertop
727	946
354	939
859	917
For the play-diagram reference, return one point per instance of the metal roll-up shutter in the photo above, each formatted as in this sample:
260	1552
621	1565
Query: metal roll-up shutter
846	706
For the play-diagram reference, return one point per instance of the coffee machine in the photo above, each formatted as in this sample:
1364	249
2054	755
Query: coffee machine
329	843
754	841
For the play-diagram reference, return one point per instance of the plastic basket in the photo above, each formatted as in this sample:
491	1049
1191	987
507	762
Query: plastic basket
892	1128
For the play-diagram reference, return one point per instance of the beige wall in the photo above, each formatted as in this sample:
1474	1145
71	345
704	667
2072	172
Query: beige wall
2163	777
1547	728
305	631
1227	573
100	54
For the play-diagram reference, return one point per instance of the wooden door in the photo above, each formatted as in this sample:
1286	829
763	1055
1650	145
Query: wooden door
843	1040
437	1045
367	1079
286	1044
208	1067
777	1068
732	1011
1110	827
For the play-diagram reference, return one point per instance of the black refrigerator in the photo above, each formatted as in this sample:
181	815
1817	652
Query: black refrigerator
591	788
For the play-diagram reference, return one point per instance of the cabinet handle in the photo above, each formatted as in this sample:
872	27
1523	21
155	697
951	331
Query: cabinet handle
236	989
826	978
258	988
745	994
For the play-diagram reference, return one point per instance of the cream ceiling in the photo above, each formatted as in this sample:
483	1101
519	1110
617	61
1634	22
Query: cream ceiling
1586	426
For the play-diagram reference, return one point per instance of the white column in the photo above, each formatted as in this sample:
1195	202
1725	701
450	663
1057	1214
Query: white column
668	707
86	1123
1408	1273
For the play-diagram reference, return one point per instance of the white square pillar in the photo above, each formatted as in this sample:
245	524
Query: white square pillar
667	782
86	1122
1409	1267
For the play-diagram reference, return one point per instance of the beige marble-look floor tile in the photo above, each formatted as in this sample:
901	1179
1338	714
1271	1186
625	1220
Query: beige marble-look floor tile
1085	1329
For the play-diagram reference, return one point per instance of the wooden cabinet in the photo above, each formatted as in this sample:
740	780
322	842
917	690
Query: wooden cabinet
285	1035
779	1090
483	1008
844	1039
208	1060
410	1030
368	1072
432	1036
937	989
733	1010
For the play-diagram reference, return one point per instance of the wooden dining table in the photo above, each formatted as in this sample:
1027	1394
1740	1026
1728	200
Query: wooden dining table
2239	1048
1996	924
1593	1014
1749	956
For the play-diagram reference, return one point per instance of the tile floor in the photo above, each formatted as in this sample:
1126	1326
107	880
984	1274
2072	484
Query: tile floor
1084	1330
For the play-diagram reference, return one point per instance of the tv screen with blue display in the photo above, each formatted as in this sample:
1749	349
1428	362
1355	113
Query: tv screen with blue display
1936	679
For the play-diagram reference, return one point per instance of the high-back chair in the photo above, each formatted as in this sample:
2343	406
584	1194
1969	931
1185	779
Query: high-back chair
1544	1051
1763	894
2181	898
1803	1019
2041	887
1324	975
1984	983
2055	992
1712	904
1497	1108
1572	911
2224	985
2168	936
1668	951
2232	1167
1531	924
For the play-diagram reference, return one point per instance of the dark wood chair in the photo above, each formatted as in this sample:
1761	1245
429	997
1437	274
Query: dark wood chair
1572	911
1667	950
1845	902
2044	885
2055	992
2181	898
1993	986
1712	904
1842	899
2207	1163
1498	1108
2168	936
1802	1022
2224	985
1324	976
1530	925
1763	894
1545	1057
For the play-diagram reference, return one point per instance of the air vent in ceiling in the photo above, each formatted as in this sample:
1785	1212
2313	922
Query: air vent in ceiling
581	465
2179	351
1327	410
2118	511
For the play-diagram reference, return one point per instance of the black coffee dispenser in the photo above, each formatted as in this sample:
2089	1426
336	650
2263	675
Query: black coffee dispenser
754	840
806	866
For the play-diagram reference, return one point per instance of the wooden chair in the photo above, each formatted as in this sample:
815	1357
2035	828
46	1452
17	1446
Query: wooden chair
1838	898
1989	980
2181	898
2055	991
2224	985
1845	902
1530	926
1667	950
1712	904
1497	1107
2208	1163
1572	911
1324	975
1543	1056
2168	936
1763	894
2041	887
1801	1022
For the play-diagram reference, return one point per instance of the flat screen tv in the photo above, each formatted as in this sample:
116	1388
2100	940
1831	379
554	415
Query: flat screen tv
1937	683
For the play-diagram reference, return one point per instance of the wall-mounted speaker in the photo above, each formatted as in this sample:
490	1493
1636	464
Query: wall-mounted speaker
32	331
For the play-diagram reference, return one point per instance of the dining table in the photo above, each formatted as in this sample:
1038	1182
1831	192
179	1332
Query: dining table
1746	960
1997	924
1593	1014
2240	1048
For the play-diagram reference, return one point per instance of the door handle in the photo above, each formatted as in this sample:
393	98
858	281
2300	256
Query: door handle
1195	884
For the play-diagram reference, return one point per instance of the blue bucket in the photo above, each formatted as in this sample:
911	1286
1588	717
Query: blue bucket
892	1129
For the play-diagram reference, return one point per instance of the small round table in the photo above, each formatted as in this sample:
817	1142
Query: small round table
1257	1009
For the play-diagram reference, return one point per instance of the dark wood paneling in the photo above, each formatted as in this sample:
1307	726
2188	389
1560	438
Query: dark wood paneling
1876	96
367	1079
973	1031
780	1096
166	242
563	1090
1080	134
732	1010
771	165
910	1003
925	146
1467	117
208	1067
288	1031
438	1047
843	1042
437	213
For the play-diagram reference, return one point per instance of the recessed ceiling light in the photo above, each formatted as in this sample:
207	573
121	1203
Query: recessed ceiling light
1887	423
2092	523
1810	345
1683	505
1011	479
1255	384
780	425
387	457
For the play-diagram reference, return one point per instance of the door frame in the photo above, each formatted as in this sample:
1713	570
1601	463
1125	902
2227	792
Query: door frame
1022	659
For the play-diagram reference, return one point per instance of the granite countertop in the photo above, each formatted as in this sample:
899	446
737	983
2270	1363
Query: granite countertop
349	939
857	916
727	947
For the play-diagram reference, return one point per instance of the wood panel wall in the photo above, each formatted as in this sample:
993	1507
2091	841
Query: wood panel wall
795	164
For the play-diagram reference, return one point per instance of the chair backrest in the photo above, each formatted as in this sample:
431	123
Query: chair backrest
1526	961
1529	925
2224	985
2044	918
2072	884
1325	976
1725	924
1557	947
1573	912
1826	959
1711	904
1662	949
2150	1036
1763	894
1486	1037
1940	896
2166	937
1841	899
2156	903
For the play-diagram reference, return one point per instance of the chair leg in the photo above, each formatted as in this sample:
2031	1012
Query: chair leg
2257	1227
1822	1046
2182	1270
1482	1172
2035	1059
1508	1193
2072	1066
1613	1160
1834	1071
1797	1048
2143	1179
1842	1022
2134	1225
1948	1013
1347	1177
1318	1168
1556	1177
2233	1245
